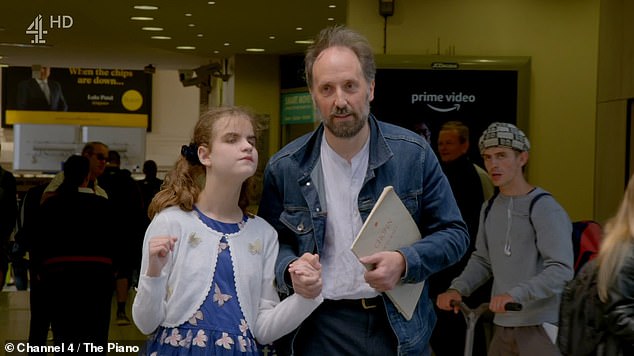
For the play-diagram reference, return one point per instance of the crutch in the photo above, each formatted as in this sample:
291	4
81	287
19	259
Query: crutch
471	317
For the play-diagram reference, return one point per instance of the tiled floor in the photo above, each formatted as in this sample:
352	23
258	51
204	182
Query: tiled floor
15	314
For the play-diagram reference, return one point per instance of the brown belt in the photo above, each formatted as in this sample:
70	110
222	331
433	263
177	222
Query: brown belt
363	303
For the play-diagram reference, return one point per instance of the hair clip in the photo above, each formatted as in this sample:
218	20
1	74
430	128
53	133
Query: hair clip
190	153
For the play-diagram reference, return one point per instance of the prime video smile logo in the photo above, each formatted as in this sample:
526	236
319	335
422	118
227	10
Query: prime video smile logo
37	27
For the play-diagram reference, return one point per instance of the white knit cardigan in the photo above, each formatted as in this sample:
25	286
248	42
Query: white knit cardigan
173	298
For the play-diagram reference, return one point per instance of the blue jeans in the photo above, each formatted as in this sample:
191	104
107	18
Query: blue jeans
347	327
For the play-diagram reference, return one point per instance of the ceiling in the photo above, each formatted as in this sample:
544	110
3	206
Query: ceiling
102	33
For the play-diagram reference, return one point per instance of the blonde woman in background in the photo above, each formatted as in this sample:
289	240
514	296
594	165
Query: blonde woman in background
615	280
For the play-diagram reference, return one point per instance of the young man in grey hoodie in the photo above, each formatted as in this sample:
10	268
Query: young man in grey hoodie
527	251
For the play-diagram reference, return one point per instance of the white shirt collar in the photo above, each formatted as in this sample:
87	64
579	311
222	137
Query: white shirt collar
86	190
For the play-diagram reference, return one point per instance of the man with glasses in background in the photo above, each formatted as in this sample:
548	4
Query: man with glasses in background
97	154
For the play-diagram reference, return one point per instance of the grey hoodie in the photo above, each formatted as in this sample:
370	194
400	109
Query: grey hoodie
530	263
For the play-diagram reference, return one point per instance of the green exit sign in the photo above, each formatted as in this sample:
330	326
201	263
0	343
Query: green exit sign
297	108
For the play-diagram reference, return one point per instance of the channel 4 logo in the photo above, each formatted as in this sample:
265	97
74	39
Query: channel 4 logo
36	28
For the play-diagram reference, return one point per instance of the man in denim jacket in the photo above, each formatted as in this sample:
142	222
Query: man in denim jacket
320	188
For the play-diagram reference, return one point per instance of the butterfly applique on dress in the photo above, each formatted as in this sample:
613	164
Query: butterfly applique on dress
163	336
200	339
225	341
197	316
255	247
187	341
243	327
219	297
174	338
242	342
194	240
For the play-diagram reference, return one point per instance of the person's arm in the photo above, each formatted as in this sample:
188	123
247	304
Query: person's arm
478	268
276	319
149	307
61	105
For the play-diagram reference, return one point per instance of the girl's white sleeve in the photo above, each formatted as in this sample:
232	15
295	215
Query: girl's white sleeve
276	319
148	308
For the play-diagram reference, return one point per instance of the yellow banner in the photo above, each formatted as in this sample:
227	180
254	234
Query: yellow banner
76	118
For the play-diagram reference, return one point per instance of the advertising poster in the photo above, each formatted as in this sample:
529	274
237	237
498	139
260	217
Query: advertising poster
76	96
409	97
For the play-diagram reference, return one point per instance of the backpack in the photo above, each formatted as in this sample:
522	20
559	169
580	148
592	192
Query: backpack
586	238
581	324
586	234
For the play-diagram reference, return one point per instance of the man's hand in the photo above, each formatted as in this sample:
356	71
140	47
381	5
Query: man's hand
389	267
498	302
443	300
306	275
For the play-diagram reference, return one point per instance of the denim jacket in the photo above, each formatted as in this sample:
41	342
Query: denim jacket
292	201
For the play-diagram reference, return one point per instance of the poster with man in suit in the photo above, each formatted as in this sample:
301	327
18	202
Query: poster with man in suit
40	92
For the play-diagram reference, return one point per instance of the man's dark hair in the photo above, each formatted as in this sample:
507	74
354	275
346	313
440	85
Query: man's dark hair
76	170
340	36
150	168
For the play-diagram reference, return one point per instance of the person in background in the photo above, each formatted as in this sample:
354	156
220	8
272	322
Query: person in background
41	93
149	185
125	195
423	130
615	277
8	218
318	190
75	249
97	154
528	257
488	189
207	273
453	145
39	322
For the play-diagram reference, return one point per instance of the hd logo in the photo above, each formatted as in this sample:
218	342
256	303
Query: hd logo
36	28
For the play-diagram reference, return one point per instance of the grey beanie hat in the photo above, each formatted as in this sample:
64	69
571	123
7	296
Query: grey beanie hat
502	134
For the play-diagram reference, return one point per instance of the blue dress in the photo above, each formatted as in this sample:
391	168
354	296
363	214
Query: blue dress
219	326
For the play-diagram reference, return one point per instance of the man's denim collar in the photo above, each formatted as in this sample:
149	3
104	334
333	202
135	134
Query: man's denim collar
379	149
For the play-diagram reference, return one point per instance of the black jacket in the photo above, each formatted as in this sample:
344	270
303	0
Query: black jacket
619	311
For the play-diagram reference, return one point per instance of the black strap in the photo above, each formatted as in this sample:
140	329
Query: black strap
489	204
530	207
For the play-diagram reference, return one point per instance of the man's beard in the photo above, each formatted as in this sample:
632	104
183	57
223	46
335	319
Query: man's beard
345	129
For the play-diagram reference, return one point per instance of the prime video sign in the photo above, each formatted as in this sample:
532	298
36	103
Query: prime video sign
38	31
454	100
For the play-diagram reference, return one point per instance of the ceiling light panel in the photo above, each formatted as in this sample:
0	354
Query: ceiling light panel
146	7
